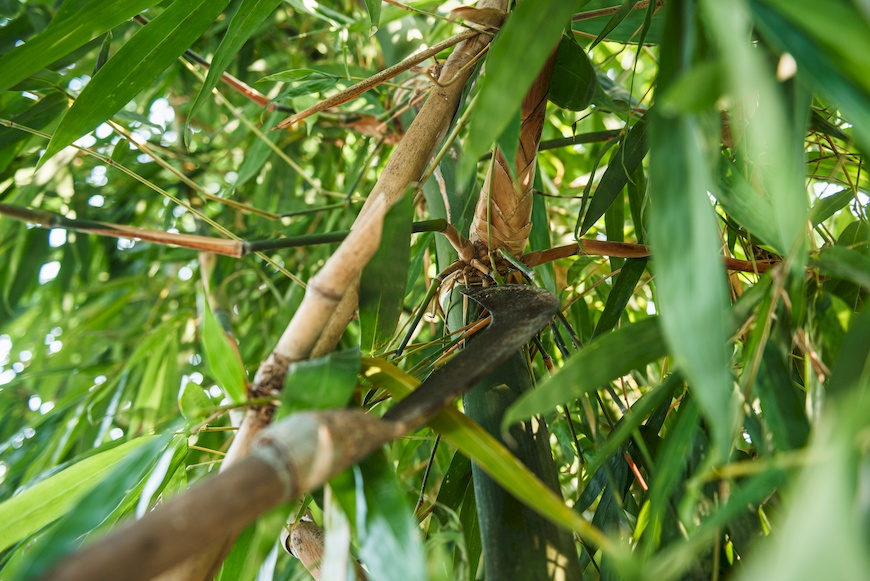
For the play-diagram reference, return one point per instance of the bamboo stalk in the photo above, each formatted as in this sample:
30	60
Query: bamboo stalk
330	297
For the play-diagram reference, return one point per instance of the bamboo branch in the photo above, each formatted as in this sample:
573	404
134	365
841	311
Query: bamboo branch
330	299
294	456
629	250
232	248
370	83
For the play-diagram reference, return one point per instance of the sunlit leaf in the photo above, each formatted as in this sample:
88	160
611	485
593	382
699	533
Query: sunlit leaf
49	499
223	357
151	50
379	298
599	362
92	20
245	21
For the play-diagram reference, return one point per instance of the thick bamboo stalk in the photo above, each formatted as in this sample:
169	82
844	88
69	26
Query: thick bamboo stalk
329	300
294	456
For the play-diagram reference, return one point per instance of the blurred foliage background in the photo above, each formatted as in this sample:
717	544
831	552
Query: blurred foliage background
728	437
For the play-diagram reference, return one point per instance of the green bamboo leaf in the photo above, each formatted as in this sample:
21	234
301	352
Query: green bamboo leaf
821	516
623	163
81	26
574	81
390	543
690	277
295	75
628	26
615	20
622	291
830	205
30	510
845	263
823	72
324	383
98	505
134	67
380	299
692	300
243	23
223	357
193	402
784	412
852	365
851	43
374	10
476	443
601	361
512	65
772	145
746	205
698	89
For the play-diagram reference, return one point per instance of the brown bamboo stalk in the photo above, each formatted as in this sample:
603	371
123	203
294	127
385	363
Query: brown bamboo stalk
329	299
294	456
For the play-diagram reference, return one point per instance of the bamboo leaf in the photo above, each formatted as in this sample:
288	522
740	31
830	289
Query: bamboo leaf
830	205
223	357
380	299
323	383
374	9
134	67
783	409
601	361
626	30
49	499
853	360
81	26
244	22
690	278
823	72
473	441
574	81
750	208
624	161
97	505
622	291
615	20
845	263
389	537
512	65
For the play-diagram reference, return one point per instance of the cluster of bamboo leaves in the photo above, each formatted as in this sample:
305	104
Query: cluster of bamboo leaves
704	423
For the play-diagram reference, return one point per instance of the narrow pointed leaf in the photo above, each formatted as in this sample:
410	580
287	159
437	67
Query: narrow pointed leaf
42	503
249	16
601	361
223	358
84	25
513	63
380	299
134	67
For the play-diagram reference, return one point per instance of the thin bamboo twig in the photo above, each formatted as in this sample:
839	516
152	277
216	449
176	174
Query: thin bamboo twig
112	163
358	89
235	84
629	250
231	248
609	11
